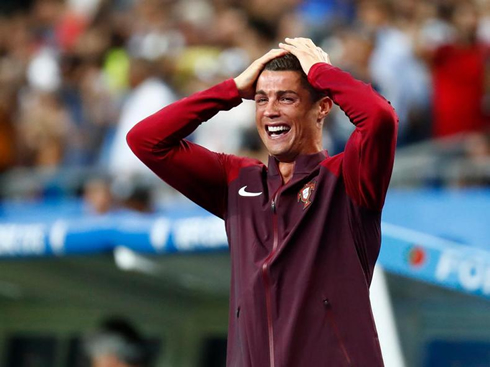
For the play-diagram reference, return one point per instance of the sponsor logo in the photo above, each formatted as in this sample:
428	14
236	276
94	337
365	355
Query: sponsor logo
304	194
243	192
159	234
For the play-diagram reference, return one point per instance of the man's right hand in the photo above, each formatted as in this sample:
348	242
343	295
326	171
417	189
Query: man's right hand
245	82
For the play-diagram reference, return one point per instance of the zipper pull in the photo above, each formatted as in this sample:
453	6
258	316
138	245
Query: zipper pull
273	205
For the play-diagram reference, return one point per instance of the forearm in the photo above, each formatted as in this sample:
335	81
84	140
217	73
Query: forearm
358	100
158	141
167	127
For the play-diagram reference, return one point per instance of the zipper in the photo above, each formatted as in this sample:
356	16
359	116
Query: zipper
267	281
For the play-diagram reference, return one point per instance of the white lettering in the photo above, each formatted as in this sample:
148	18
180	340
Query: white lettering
193	233
470	274
22	239
446	264
57	236
159	234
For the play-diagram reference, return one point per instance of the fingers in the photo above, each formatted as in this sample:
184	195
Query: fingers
246	80
298	50
288	48
301	42
304	46
325	56
306	51
299	45
272	54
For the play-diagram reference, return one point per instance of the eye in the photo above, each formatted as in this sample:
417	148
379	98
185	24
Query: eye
260	100
287	99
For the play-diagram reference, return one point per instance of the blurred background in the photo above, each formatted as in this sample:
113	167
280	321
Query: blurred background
102	263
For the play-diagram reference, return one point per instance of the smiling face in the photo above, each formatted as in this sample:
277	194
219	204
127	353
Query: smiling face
289	122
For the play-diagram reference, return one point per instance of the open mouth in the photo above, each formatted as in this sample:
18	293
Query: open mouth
277	130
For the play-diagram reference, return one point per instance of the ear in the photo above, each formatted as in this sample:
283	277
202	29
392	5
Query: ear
324	107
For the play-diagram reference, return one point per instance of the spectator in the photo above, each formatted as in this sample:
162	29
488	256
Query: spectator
394	68
474	168
117	343
460	75
44	127
148	94
97	196
7	135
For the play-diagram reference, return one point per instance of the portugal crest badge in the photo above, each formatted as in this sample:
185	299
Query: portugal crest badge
304	194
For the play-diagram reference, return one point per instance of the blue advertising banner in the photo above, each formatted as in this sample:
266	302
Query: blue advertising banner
141	233
434	260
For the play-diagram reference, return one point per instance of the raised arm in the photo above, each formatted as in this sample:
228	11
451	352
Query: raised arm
201	175
158	141
369	153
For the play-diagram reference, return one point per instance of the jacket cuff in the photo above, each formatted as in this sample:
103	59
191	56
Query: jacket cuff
320	69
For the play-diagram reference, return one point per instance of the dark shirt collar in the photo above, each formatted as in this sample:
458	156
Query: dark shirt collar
304	163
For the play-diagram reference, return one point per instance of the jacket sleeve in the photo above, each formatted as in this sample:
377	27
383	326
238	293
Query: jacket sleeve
370	151
158	141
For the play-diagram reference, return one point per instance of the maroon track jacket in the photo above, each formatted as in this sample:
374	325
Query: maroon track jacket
302	253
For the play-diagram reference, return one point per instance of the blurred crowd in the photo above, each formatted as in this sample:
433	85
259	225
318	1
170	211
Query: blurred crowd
76	75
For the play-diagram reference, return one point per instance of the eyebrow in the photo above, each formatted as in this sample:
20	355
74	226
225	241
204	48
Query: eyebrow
279	92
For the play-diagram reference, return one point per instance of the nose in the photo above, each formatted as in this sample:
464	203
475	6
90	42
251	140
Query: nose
271	111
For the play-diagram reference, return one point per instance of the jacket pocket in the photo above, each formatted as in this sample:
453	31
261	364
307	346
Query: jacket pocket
331	319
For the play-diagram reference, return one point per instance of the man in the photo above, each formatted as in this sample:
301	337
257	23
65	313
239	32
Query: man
148	94
304	232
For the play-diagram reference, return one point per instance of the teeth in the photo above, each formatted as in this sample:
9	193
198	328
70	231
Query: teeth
274	129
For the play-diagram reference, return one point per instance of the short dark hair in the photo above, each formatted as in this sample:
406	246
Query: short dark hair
289	62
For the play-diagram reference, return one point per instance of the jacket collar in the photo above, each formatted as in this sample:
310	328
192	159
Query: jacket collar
304	163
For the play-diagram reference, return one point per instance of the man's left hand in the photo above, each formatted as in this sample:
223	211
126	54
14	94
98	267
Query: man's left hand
306	51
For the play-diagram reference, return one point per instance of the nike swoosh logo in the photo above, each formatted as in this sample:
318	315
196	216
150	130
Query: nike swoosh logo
242	192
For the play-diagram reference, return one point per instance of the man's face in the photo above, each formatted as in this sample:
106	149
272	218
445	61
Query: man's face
288	121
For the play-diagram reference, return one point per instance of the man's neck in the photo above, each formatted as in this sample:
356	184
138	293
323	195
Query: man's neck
286	169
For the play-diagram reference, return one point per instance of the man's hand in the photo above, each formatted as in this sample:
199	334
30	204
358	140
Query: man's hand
245	82
306	51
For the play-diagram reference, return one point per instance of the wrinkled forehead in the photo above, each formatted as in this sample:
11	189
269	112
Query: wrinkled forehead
271	81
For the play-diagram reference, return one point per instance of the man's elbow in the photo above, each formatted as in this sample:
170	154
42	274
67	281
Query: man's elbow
386	119
146	143
134	139
131	138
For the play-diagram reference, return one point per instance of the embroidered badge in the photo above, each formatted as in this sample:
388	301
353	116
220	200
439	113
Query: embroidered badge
304	194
